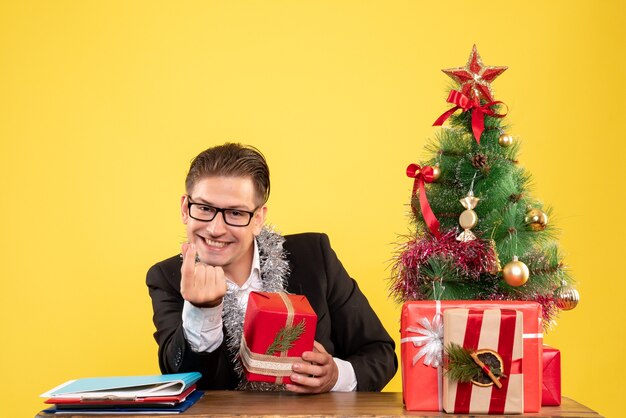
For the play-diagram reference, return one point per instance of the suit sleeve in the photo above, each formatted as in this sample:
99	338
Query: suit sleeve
358	335
175	353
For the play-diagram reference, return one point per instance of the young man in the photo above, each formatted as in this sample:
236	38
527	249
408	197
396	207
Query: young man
199	298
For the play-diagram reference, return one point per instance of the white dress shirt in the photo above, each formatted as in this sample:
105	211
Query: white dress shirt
203	326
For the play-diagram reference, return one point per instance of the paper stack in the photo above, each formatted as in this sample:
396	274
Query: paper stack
166	394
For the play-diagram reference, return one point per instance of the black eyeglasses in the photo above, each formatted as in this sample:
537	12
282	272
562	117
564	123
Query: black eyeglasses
206	213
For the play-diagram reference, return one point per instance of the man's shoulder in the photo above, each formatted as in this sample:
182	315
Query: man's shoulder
168	266
307	244
305	239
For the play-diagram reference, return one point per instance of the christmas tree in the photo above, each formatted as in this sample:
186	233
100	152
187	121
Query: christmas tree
479	234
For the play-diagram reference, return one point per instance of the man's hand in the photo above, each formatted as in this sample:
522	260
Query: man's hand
202	285
317	373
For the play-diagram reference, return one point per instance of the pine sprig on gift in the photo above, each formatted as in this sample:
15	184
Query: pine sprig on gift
461	366
285	338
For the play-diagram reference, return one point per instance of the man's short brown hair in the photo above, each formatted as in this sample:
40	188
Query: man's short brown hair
232	160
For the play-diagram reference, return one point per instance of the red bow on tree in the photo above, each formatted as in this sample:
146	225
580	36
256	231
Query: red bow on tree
478	114
423	175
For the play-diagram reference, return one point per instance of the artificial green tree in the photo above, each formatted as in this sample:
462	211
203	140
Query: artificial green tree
479	234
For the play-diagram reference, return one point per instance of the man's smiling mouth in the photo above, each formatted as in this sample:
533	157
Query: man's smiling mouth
218	244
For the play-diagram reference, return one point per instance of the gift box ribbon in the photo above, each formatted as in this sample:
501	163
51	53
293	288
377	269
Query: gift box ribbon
270	365
265	364
430	341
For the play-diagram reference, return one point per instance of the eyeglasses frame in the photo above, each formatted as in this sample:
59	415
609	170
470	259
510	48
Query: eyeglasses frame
217	211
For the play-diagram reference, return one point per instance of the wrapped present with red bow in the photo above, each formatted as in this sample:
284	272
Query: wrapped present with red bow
421	340
483	361
277	329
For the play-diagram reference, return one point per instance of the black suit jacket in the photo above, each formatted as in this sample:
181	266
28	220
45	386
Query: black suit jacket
347	326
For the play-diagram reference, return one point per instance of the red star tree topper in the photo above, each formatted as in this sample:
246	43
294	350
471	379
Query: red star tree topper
475	77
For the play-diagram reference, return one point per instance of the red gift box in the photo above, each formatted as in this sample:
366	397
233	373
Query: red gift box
277	329
551	394
497	330
422	344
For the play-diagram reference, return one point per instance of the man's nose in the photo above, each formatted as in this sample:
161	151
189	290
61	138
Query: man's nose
217	226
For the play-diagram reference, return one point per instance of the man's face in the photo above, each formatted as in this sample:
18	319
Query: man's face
217	243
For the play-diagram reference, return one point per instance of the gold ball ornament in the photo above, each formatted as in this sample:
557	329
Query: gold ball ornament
515	273
505	140
566	297
536	219
436	172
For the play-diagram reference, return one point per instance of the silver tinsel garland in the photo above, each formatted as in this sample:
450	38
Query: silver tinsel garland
274	275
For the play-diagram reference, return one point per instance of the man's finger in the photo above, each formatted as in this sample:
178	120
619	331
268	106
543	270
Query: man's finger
319	348
202	276
209	277
297	388
189	261
216	281
310	370
306	383
316	357
220	279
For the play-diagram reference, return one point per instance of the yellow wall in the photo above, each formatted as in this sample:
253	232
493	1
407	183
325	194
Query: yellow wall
103	104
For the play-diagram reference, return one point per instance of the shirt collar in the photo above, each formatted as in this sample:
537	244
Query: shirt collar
254	278
256	261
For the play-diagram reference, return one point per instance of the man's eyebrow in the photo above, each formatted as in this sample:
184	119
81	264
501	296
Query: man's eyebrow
199	200
239	207
206	202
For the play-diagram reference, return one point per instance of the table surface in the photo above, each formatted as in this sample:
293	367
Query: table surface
342	404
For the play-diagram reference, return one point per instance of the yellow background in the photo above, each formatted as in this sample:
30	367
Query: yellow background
103	105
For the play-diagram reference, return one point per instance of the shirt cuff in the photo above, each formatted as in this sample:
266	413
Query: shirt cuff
346	379
203	327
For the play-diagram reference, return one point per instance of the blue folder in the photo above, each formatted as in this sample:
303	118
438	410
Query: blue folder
173	409
125	387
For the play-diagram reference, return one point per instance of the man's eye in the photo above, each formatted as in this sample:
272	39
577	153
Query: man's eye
207	209
236	213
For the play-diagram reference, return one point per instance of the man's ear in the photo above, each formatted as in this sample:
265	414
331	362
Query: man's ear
258	220
184	209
